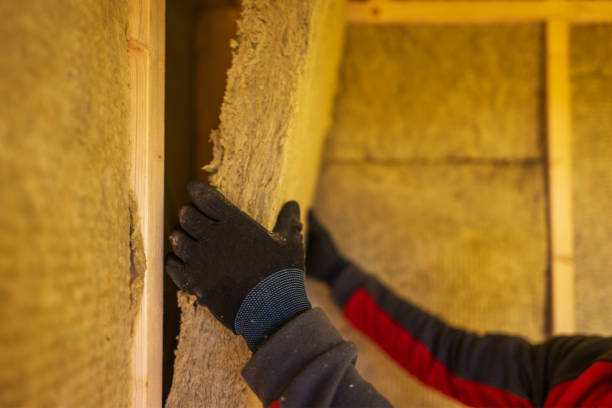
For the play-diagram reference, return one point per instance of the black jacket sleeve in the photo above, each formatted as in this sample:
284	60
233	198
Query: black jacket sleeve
307	364
478	370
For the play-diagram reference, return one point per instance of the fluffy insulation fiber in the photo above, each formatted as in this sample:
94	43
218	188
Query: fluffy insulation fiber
70	251
274	117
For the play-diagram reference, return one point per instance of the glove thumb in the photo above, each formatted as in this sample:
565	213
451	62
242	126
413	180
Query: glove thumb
288	224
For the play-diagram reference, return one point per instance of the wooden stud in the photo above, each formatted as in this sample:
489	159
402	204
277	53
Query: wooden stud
386	12
146	51
560	177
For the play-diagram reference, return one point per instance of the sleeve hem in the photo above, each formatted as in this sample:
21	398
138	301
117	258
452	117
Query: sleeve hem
284	355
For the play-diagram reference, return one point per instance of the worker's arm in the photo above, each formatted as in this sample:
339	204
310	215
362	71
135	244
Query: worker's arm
252	280
490	370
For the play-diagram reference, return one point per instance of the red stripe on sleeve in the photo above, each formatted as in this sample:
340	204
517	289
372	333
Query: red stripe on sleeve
275	404
363	312
593	388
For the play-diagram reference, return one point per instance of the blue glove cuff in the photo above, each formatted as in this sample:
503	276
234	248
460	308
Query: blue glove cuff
271	303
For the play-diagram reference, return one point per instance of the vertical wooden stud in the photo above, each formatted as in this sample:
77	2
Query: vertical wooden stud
560	176
146	50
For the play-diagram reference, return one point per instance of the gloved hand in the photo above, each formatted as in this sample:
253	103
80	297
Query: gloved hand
222	256
323	260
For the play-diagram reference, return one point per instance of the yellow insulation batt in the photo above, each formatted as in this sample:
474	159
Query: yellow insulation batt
591	71
434	179
267	150
71	256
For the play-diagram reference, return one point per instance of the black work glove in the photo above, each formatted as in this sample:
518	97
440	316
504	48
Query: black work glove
221	255
323	260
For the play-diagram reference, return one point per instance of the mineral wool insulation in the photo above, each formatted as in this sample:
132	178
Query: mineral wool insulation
436	157
433	180
275	113
591	70
70	252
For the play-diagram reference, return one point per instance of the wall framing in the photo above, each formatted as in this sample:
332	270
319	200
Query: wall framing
559	147
558	16
146	42
146	50
386	12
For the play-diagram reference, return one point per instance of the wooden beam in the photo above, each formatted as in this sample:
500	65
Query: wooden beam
560	177
391	12
146	53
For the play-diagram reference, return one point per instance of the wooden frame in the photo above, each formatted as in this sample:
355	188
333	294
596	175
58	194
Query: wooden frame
146	54
558	15
558	106
385	12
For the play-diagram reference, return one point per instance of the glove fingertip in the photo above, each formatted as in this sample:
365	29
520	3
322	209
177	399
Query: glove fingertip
288	221
175	268
209	200
292	209
195	187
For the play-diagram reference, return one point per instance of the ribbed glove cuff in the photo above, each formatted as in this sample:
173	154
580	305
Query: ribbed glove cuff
271	303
